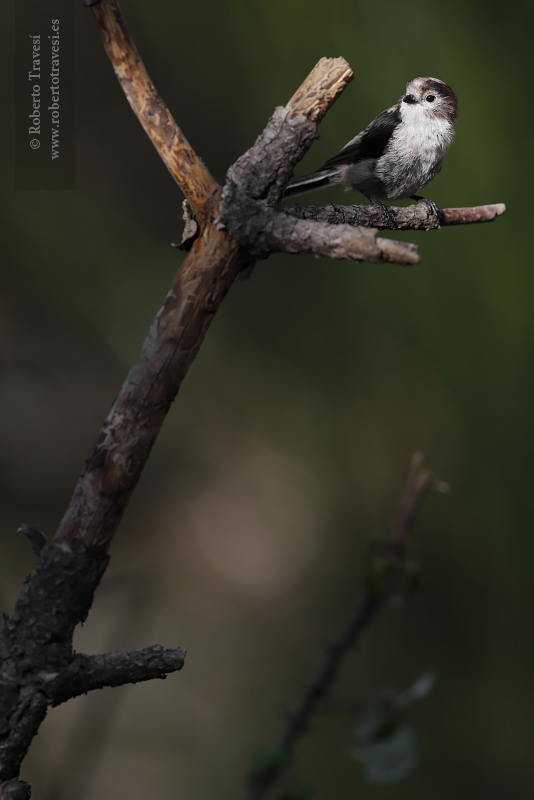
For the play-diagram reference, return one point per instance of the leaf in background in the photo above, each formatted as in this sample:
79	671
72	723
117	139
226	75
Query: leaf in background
417	691
377	722
391	758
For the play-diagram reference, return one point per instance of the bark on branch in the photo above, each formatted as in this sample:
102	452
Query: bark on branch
254	184
15	790
38	667
191	175
416	217
86	672
336	241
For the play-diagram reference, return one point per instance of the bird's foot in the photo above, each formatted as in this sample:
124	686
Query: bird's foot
432	207
386	210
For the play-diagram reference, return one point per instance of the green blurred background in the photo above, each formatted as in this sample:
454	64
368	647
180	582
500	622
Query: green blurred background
289	443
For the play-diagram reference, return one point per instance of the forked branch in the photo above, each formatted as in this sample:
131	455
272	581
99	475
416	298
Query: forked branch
38	665
254	185
228	230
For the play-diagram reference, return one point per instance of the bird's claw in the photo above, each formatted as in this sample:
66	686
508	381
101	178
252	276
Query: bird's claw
387	213
432	207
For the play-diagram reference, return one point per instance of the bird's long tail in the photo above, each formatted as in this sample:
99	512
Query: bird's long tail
317	180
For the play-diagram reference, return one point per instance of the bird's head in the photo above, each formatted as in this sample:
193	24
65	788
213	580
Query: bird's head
431	97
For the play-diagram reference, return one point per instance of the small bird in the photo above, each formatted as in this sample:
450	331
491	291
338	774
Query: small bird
401	151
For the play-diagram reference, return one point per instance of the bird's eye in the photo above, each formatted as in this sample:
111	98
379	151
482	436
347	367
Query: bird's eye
409	99
430	98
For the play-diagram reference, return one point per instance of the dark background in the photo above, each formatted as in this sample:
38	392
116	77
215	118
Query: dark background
289	443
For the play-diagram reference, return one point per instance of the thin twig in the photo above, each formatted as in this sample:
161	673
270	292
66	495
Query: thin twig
419	482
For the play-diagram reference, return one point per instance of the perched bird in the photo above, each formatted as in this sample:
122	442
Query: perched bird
401	151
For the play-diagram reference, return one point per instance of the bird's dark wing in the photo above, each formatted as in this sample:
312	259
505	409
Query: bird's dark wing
370	143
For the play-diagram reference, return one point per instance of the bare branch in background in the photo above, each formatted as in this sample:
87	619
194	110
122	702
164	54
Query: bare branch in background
391	555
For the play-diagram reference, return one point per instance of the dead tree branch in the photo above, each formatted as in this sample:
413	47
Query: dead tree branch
227	231
339	242
86	673
254	184
414	218
391	555
15	790
38	666
113	468
191	175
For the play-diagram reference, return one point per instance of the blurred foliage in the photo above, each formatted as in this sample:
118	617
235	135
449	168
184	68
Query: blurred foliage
389	757
387	746
295	426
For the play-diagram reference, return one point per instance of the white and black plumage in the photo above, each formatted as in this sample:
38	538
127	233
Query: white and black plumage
401	151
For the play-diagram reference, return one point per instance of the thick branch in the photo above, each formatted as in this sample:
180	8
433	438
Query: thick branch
115	464
263	171
416	217
419	482
15	790
36	657
320	89
186	168
37	661
86	672
130	429
36	643
38	667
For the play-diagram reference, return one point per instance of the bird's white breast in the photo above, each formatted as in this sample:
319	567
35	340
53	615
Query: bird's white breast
415	153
